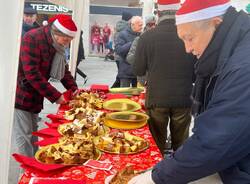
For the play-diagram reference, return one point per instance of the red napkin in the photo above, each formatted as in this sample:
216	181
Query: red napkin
67	95
37	180
47	132
110	96
57	118
99	87
53	125
47	141
62	108
32	164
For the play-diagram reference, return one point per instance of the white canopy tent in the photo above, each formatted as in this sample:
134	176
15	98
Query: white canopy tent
11	13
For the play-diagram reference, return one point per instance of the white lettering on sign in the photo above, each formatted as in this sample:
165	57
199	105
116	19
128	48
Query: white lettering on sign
52	8
39	7
45	7
49	8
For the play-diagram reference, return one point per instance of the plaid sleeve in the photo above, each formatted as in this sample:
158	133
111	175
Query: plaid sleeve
68	80
30	62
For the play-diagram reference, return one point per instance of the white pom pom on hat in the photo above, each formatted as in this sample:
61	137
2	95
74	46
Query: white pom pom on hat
195	10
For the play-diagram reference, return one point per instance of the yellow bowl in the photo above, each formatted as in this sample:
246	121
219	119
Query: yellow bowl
127	116
121	105
124	125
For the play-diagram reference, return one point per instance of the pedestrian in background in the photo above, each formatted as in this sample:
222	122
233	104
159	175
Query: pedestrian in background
80	57
123	44
29	19
150	23
120	25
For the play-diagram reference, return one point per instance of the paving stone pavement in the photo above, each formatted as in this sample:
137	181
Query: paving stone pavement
101	72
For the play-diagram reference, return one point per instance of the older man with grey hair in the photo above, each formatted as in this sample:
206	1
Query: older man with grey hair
123	44
150	23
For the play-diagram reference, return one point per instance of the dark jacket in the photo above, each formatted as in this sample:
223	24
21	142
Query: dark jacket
80	55
36	56
120	26
123	43
27	27
170	70
220	142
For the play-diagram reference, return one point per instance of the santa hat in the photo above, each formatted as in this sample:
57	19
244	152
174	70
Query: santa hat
65	24
168	5
195	10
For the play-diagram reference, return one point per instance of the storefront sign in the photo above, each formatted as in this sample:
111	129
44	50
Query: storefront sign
46	8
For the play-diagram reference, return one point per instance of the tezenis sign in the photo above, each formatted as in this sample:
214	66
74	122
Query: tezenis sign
49	8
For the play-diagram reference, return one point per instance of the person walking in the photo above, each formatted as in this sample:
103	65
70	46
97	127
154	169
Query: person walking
80	57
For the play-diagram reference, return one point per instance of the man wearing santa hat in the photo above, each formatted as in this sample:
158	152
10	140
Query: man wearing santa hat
162	55
219	36
41	58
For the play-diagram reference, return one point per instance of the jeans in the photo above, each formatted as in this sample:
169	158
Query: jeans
22	140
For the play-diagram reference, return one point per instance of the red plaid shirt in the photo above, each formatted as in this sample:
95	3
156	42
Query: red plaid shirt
36	56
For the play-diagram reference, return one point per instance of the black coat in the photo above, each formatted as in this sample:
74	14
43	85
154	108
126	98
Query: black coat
81	54
123	44
27	27
170	70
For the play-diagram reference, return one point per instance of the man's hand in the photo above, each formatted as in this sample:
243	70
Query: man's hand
61	100
144	178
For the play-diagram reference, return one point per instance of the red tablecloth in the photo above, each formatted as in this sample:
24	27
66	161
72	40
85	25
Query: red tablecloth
141	161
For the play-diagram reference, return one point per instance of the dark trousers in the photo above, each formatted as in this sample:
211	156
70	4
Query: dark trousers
117	80
179	119
128	82
80	72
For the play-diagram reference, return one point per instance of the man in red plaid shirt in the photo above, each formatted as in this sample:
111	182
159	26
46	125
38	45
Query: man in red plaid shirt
42	56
